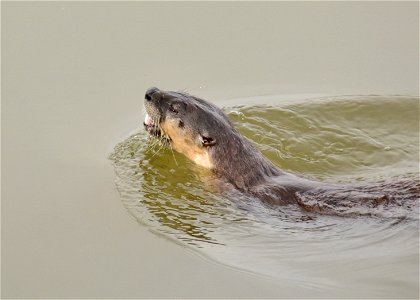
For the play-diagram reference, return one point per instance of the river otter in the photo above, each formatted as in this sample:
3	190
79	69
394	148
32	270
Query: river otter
203	133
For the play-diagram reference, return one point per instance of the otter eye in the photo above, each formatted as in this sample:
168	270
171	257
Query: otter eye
173	109
207	141
181	124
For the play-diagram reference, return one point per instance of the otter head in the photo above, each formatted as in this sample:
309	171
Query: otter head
190	125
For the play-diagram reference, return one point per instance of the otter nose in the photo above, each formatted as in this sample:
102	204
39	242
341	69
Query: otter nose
150	92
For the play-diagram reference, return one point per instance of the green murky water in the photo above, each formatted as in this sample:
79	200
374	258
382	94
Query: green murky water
342	139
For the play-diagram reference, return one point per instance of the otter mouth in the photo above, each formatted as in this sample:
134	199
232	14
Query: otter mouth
151	125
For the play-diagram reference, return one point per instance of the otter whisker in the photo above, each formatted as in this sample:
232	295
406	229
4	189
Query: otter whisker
184	91
162	146
153	143
173	155
158	136
153	149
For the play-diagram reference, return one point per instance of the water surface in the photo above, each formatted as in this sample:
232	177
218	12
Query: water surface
363	139
73	75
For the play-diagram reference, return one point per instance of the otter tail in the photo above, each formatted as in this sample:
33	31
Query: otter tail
390	199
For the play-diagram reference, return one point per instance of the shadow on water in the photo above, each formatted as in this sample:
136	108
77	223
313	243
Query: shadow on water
355	139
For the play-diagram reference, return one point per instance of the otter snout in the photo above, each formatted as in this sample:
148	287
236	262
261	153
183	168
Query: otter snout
152	103
153	112
150	93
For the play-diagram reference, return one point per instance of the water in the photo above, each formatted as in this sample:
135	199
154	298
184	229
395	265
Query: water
342	139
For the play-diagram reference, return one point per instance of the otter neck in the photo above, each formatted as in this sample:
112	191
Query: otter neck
241	163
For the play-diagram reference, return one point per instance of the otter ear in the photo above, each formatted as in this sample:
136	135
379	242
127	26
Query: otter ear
207	141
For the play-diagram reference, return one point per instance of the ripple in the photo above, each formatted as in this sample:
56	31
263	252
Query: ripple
339	140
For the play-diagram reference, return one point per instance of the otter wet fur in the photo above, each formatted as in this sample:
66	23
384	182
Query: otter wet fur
204	134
